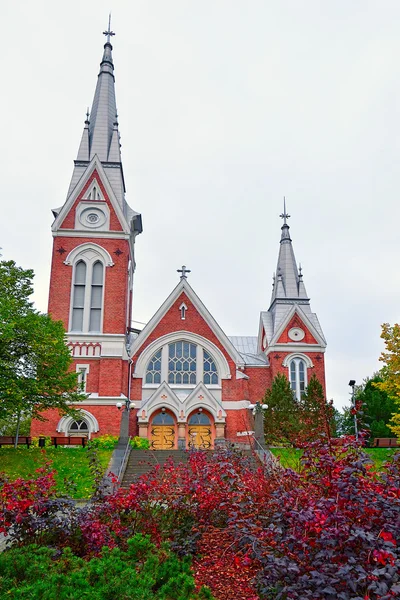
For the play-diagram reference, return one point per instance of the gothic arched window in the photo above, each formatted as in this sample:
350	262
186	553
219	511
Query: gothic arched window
79	296
298	376
153	372
181	363
96	299
87	289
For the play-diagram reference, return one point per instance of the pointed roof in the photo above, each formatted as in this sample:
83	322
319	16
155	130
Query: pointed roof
288	280
288	294
183	286
101	139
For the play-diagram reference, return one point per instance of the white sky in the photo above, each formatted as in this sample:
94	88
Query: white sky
224	107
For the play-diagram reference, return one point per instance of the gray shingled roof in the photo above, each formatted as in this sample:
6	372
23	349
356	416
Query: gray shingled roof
247	347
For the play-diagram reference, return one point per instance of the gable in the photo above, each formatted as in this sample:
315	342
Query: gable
296	323
197	321
85	196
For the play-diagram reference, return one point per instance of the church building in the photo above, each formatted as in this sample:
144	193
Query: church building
189	382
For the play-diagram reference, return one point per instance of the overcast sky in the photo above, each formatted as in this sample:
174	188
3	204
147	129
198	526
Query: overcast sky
225	106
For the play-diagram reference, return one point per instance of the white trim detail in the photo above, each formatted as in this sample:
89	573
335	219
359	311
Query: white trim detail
184	287
65	422
215	352
288	359
89	252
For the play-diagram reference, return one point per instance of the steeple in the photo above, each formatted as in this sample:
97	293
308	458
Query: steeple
101	135
288	283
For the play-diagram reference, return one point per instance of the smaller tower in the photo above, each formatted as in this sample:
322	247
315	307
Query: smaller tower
290	334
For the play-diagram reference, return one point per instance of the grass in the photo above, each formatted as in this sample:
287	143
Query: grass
73	477
290	457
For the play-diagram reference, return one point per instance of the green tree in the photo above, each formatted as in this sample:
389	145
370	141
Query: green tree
390	372
281	418
316	415
34	358
377	406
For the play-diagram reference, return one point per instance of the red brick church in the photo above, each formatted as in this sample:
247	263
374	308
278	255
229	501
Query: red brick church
187	379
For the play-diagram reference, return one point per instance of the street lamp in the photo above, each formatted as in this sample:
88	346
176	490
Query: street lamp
124	427
127	404
352	384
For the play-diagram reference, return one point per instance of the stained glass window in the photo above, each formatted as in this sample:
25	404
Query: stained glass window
153	373
210	373
298	374
182	363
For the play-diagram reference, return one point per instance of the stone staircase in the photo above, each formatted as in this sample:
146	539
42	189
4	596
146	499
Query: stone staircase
142	461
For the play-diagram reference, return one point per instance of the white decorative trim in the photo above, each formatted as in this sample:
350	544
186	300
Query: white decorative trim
65	422
235	404
95	164
296	309
214	351
290	357
165	397
184	287
295	348
90	252
120	235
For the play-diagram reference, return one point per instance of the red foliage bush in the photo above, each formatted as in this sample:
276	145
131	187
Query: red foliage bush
329	532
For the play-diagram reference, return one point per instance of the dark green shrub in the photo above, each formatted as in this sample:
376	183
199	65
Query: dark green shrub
143	572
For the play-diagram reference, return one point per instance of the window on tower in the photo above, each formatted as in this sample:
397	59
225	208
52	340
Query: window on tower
298	376
79	296
87	292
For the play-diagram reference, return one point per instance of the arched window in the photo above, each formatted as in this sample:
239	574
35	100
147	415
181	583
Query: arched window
298	376
199	418
153	373
79	296
163	418
87	288
96	300
79	427
182	363
210	373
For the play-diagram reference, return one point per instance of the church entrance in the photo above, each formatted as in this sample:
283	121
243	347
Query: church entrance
162	432
200	431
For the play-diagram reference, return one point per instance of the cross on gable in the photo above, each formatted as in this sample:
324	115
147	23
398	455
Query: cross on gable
184	270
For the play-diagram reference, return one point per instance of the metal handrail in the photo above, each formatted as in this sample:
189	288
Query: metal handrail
266	455
124	459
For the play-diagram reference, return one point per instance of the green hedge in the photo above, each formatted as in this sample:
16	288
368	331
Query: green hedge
143	572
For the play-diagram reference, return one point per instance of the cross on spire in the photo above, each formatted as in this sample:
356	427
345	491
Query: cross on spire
284	215
109	33
184	270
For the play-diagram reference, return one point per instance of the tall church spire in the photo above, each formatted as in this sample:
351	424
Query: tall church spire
289	281
101	135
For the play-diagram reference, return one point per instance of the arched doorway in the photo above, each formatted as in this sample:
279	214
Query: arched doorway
162	432
199	431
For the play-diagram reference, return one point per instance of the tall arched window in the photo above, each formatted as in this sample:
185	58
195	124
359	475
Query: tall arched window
298	376
96	300
182	363
79	296
87	288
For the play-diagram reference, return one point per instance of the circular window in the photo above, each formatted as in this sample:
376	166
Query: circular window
92	217
296	334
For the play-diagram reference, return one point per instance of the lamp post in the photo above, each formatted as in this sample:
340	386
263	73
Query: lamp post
352	384
258	413
124	429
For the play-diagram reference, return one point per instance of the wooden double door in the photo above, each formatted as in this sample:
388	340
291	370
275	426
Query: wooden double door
163	432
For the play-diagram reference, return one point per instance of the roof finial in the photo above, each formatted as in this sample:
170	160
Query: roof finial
184	270
284	215
109	33
300	272
87	116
